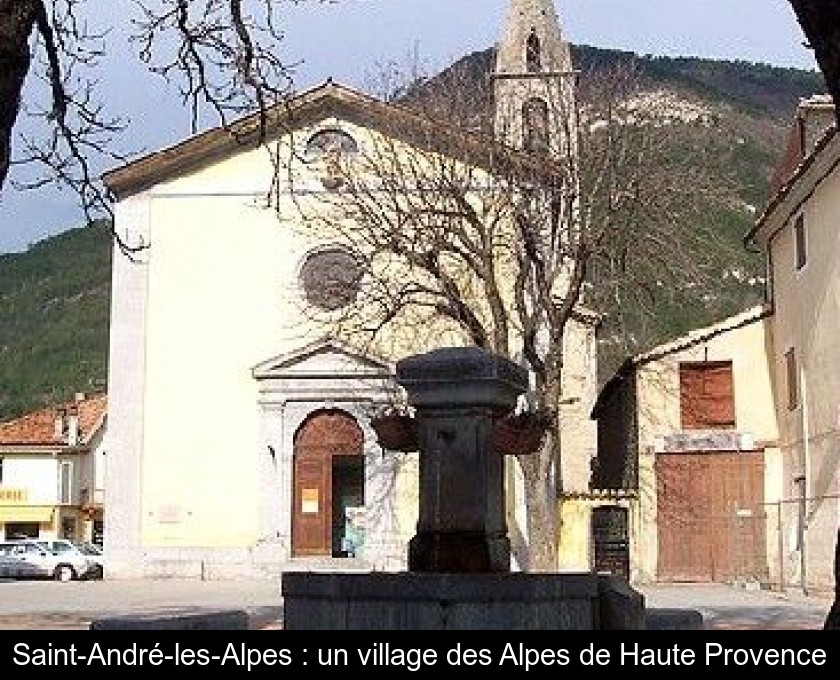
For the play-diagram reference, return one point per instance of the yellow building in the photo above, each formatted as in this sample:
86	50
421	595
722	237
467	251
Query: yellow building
240	438
687	437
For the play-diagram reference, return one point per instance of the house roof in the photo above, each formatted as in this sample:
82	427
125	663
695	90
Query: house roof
814	114
810	172
701	335
39	427
687	341
328	99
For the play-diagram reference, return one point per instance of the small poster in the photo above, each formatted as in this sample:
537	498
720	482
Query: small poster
309	501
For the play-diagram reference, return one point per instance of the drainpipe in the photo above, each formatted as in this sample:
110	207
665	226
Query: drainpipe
780	540
802	480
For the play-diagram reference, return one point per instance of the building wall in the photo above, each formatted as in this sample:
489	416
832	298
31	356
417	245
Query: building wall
36	474
579	433
127	385
807	319
215	295
658	399
32	479
618	446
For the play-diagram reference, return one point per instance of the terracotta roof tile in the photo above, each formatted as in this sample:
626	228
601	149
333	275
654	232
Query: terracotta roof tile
38	427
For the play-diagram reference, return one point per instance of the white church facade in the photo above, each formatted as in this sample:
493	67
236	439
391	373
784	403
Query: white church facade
239	432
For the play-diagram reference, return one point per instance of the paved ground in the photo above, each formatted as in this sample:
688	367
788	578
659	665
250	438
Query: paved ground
55	606
733	608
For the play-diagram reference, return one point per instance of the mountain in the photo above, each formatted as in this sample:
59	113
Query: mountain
54	298
737	113
54	312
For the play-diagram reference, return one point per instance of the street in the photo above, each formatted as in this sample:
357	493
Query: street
49	605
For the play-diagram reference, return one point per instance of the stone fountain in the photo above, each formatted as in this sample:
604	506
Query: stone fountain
459	575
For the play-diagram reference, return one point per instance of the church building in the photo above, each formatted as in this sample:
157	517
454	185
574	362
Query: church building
239	431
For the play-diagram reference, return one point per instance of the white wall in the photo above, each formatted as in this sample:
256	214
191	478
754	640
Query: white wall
38	475
807	318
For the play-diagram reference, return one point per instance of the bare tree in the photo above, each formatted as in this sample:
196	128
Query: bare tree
820	21
459	234
222	54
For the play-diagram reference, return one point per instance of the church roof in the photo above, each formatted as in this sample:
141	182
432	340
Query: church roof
328	99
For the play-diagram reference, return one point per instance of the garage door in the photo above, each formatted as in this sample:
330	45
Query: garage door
710	517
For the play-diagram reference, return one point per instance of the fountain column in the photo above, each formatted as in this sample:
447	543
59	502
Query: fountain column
458	394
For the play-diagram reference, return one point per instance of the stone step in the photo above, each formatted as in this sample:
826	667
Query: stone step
327	564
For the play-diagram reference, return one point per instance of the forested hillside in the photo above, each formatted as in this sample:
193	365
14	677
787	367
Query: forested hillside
738	113
54	309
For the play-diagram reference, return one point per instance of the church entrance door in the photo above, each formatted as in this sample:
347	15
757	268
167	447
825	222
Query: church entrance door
328	479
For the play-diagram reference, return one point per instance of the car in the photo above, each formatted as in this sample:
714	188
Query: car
80	551
13	567
45	563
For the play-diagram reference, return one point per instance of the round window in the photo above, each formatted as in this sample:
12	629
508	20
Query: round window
331	278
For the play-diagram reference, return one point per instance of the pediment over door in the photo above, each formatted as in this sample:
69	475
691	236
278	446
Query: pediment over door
325	370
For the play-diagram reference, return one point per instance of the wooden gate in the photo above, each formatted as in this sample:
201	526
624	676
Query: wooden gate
323	436
710	518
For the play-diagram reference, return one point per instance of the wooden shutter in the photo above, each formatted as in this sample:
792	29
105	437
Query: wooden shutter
706	396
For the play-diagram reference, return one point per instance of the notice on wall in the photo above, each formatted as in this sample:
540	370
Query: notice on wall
309	501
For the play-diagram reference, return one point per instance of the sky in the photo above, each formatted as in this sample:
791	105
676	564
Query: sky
349	40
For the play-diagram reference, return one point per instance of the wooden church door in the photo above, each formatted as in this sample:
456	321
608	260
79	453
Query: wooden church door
323	436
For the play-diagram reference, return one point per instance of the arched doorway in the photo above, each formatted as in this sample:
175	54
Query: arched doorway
328	479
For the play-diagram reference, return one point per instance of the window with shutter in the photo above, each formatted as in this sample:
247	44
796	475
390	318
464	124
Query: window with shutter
800	244
792	379
707	400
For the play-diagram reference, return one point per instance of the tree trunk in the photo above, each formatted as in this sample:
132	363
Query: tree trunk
820	21
17	19
541	473
540	512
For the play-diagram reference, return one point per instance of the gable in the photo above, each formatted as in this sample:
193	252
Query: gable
327	371
323	359
328	102
821	165
684	348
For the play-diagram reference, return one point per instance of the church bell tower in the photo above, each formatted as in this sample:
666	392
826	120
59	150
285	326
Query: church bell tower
534	81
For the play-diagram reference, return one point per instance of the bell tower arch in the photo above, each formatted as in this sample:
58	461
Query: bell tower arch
534	81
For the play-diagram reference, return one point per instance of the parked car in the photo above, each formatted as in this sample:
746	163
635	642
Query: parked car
80	551
13	567
45	563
